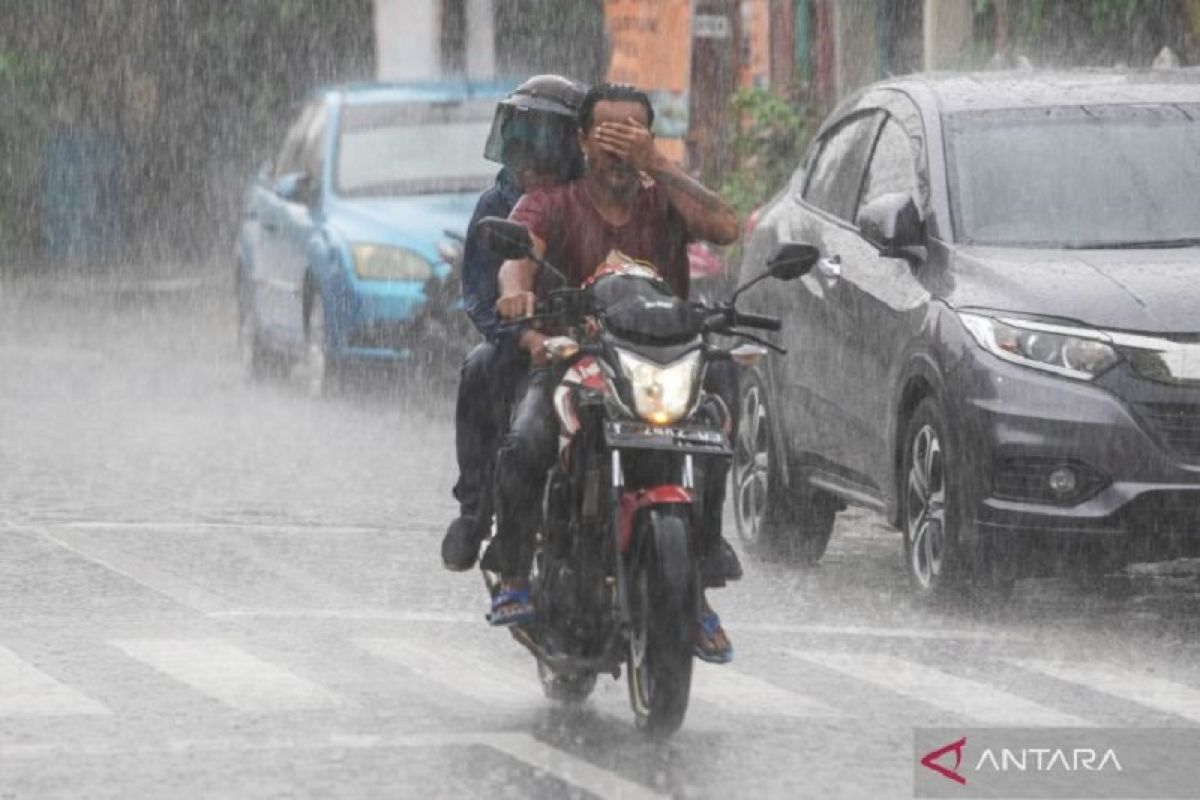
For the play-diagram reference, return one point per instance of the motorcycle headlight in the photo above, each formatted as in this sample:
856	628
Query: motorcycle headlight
661	394
1074	352
375	262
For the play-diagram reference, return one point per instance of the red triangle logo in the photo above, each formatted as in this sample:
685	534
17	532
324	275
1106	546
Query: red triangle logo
930	761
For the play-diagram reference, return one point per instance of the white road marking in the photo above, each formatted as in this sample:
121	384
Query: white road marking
183	525
449	617
521	746
1147	690
736	692
111	558
228	674
27	691
568	768
461	673
948	692
872	632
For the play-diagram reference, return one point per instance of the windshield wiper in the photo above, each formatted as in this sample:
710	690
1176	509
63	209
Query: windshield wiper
1148	244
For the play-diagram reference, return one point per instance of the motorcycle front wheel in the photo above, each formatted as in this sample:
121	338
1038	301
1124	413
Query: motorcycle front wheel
663	601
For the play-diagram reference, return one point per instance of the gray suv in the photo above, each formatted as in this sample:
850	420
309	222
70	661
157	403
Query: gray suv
1000	346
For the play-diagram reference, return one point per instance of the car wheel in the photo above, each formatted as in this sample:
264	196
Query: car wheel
320	369
773	522
258	362
929	517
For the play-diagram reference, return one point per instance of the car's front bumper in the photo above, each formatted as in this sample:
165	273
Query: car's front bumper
374	319
1012	418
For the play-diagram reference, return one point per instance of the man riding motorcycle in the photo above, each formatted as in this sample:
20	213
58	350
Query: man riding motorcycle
534	136
634	200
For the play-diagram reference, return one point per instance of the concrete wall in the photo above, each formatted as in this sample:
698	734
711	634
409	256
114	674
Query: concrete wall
857	46
481	38
407	39
947	32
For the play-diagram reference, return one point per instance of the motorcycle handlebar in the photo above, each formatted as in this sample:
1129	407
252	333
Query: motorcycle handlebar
757	321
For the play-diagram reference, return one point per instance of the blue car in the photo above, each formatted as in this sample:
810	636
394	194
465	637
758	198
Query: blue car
346	225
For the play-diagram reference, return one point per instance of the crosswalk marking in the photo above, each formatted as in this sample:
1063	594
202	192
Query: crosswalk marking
941	689
450	667
113	558
1147	690
572	770
224	672
523	747
738	693
27	691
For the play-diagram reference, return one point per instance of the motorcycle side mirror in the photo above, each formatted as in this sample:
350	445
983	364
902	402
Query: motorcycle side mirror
505	238
792	260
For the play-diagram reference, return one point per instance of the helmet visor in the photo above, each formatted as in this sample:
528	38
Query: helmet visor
524	139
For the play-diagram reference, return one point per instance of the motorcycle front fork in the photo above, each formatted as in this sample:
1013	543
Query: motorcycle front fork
687	480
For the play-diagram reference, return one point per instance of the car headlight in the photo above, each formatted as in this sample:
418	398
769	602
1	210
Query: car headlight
1074	352
375	262
661	394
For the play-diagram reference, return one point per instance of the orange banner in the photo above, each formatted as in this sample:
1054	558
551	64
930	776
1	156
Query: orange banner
651	49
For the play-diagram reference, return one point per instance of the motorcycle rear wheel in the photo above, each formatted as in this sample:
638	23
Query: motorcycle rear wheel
663	602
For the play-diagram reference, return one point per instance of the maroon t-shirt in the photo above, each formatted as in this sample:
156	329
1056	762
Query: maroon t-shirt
578	239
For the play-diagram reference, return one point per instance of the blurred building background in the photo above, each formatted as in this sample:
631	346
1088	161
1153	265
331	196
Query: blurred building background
128	128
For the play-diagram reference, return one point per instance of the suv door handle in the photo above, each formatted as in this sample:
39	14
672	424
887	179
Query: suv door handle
830	269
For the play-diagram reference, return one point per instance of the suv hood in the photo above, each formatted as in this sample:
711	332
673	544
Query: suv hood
417	222
1147	291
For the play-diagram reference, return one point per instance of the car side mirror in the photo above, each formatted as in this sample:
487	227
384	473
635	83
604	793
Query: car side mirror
792	260
505	238
892	222
294	187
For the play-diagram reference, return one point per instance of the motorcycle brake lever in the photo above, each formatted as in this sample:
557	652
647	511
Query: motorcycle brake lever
759	340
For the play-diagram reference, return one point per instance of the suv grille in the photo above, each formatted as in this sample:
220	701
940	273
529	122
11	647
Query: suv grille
1177	424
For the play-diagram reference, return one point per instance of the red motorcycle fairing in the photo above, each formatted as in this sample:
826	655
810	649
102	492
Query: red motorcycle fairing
634	500
585	372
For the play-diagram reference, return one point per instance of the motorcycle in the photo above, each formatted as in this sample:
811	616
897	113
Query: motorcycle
615	571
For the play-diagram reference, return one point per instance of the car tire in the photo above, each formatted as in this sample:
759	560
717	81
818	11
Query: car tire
929	516
258	362
320	370
774	521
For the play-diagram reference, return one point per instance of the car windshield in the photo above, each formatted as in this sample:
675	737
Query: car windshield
1108	176
413	148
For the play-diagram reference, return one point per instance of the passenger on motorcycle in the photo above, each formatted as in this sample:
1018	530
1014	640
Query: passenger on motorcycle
634	200
534	136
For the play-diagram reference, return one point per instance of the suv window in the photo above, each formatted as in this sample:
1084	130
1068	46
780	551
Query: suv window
893	166
291	153
313	153
836	175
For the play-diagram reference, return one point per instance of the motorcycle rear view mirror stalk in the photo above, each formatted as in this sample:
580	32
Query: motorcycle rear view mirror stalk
790	261
511	240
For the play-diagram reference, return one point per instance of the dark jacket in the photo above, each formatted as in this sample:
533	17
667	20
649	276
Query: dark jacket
481	268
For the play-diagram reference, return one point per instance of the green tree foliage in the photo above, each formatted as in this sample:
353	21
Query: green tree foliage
23	79
195	94
771	132
1082	32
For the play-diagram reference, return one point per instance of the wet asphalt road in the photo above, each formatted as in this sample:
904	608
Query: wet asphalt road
212	588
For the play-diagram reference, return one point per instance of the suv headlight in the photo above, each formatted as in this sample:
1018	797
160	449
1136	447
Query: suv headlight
661	395
1079	353
376	262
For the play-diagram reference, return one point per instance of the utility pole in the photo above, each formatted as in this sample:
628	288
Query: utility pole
716	65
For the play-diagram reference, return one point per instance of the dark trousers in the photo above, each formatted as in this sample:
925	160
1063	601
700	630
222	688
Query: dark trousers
487	381
529	451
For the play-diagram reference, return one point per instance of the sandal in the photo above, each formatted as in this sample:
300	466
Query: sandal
706	633
511	607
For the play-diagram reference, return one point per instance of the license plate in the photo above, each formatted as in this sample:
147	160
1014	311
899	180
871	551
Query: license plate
684	439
